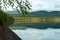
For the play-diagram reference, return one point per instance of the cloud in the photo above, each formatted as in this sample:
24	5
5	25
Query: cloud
49	5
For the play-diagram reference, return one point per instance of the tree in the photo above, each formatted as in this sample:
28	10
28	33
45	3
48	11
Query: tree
22	7
6	19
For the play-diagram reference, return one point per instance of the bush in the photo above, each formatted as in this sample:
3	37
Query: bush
6	19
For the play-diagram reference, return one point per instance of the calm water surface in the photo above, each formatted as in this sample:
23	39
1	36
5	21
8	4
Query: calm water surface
38	34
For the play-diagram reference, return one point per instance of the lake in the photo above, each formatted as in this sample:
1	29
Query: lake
38	34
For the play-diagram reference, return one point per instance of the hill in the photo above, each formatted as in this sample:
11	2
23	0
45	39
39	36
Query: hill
36	13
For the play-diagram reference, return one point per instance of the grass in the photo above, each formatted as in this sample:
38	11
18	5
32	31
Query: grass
36	20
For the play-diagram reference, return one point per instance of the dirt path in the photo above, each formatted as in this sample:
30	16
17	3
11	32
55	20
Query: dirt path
7	34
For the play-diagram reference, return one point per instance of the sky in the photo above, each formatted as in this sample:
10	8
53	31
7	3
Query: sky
48	5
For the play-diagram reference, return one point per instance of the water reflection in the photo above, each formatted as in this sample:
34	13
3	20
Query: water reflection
38	34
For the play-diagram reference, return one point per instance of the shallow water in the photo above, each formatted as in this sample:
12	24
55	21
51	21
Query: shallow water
38	34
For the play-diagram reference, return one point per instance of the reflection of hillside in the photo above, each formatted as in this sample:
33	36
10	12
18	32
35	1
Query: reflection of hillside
17	27
40	13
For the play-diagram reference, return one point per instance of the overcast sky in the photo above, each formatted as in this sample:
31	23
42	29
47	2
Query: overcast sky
48	5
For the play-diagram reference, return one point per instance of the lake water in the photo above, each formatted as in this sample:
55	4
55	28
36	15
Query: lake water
38	34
